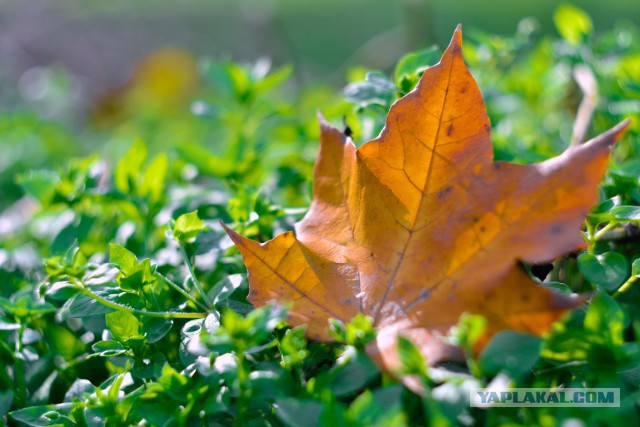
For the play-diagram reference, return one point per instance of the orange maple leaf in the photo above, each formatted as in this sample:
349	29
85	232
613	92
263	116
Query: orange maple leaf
420	225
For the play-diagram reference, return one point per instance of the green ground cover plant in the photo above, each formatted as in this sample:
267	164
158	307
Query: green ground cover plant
123	302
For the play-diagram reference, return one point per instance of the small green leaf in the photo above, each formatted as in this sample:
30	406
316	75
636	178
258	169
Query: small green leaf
155	329
273	79
108	348
271	384
39	184
411	360
206	163
337	330
298	412
155	176
411	64
187	227
573	24
559	287
468	331
358	332
137	276
240	81
82	305
293	347
123	325
381	407
376	89
40	415
602	211
635	267
608	270
629	169
129	167
627	213
225	287
352	374
122	258
511	351
174	383
605	318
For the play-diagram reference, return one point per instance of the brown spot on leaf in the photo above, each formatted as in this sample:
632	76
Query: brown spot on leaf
556	228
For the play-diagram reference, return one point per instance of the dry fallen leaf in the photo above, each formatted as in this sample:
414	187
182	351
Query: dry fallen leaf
420	225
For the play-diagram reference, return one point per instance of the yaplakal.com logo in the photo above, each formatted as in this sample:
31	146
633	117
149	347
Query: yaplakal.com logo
568	397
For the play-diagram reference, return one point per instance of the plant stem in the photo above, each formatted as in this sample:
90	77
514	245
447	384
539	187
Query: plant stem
17	381
194	278
182	292
560	367
603	231
20	380
118	307
626	285
589	237
243	397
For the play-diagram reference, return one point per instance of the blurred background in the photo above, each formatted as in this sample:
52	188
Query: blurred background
94	46
219	84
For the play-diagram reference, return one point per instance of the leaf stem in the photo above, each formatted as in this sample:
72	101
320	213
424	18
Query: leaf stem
194	278
119	307
182	292
243	392
603	231
589	237
560	367
626	285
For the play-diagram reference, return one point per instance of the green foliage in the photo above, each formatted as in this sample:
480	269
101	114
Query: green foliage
573	24
512	352
600	345
358	332
608	270
410	67
411	360
187	227
123	301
